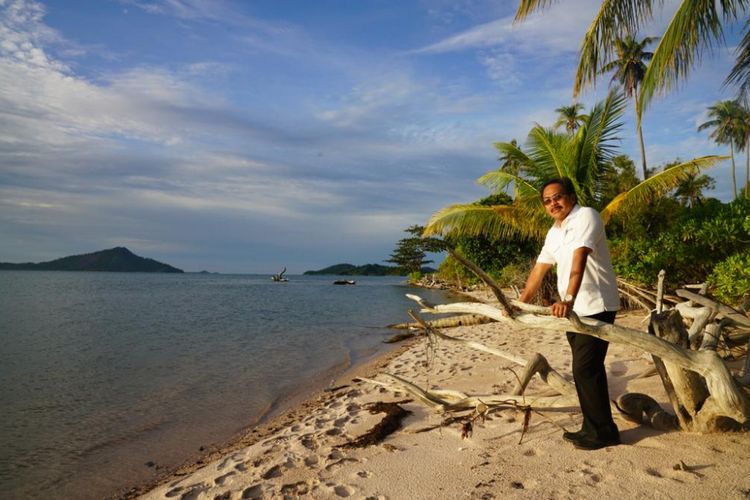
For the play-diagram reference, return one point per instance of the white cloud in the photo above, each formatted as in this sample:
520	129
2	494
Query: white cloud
22	31
369	99
559	28
501	67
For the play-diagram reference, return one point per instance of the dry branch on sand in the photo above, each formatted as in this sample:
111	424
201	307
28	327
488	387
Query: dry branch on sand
705	394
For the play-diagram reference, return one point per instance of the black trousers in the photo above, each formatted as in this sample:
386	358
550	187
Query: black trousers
591	380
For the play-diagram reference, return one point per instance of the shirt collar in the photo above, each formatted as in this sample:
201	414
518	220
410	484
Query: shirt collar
570	216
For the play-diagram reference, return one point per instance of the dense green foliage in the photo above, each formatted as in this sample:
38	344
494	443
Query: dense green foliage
730	280
410	254
493	255
689	244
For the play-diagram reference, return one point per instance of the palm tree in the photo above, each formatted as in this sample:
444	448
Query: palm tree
585	157
630	67
569	116
508	163
690	191
743	143
728	124
694	27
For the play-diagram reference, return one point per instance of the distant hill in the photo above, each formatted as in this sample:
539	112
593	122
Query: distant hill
366	270
118	259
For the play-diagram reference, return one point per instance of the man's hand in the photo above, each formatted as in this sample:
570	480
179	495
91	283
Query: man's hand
561	309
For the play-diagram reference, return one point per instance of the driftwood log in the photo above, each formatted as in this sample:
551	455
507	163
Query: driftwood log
705	395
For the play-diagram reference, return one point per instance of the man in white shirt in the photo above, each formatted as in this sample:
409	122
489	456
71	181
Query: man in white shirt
586	282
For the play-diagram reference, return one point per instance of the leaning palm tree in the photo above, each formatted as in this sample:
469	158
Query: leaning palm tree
585	157
629	67
569	116
696	25
726	118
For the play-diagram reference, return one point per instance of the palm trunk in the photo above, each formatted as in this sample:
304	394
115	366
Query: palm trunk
734	176
747	169
640	137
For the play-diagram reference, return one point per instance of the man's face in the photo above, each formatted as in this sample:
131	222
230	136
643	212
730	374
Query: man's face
557	203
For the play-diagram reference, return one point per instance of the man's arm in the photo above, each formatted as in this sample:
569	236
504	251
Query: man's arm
534	281
561	308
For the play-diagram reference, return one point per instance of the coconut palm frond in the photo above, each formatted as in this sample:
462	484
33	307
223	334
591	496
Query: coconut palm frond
658	184
740	74
526	7
550	153
527	192
496	221
615	19
497	180
511	152
695	26
597	145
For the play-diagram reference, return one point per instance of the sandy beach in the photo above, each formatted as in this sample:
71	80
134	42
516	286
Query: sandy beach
300	454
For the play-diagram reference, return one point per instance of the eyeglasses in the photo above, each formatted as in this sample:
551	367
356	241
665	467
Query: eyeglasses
553	198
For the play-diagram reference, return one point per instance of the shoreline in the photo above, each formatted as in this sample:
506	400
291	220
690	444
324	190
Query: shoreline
303	451
280	412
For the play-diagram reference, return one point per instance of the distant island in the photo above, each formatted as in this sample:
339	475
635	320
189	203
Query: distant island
118	259
366	270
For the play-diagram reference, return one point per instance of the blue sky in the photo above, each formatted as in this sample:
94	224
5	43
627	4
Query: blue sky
244	136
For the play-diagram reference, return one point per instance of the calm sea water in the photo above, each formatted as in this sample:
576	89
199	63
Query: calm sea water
101	373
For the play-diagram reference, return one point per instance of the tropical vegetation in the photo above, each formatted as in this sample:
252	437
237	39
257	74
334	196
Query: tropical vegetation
731	124
410	254
695	28
629	69
663	221
586	157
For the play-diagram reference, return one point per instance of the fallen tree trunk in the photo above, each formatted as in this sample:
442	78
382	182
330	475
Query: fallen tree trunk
726	400
452	322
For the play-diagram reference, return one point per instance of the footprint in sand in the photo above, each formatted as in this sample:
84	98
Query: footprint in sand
221	480
191	492
294	490
273	472
343	491
335	465
340	422
309	442
255	491
352	408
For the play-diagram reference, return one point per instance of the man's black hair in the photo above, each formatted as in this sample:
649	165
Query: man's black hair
565	182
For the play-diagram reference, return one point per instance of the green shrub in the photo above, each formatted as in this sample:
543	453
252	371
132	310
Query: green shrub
687	244
414	276
730	279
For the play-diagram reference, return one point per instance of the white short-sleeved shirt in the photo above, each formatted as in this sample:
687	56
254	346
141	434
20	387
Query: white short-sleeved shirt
583	227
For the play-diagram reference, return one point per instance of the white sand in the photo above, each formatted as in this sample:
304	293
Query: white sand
299	455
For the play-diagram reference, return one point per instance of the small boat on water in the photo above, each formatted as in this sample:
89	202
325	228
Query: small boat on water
344	282
279	278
